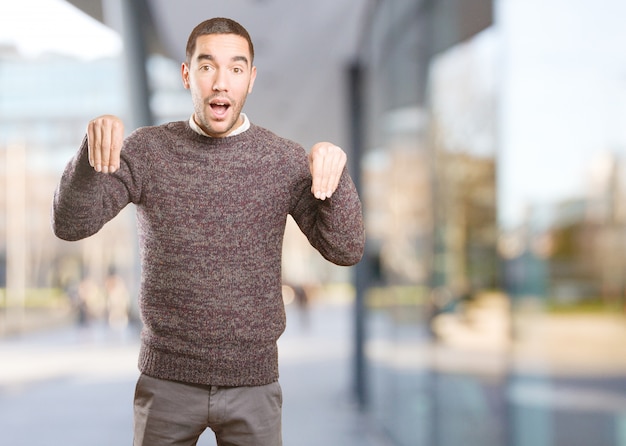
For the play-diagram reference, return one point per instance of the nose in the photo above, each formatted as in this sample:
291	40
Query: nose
219	83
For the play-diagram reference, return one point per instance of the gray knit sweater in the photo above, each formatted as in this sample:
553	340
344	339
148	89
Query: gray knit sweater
211	215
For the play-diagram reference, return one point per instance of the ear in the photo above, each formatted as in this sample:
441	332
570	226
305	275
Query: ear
252	78
184	71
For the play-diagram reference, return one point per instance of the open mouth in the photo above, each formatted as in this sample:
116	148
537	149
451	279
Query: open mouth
219	107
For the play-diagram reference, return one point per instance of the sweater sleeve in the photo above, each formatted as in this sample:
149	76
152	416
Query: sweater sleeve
85	199
334	226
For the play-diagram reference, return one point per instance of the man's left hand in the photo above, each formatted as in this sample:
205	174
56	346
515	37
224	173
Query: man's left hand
326	162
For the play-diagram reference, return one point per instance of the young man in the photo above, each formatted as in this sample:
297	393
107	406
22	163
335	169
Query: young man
212	196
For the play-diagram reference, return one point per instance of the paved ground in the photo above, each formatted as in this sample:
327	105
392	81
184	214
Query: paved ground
74	386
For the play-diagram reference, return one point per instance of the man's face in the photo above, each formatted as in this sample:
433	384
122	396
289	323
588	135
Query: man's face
219	75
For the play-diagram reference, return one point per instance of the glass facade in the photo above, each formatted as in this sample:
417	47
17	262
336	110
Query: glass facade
45	105
493	202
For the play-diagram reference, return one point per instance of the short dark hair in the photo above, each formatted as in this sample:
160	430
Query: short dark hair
217	25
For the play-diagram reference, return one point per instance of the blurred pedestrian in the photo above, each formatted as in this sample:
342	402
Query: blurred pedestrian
90	302
212	196
302	302
117	301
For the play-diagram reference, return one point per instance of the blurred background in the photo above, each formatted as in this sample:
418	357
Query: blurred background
488	142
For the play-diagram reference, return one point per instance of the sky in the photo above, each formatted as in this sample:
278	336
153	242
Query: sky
563	97
39	26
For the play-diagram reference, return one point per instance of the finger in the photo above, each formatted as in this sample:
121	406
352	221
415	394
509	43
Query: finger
330	161
105	147
334	161
90	143
337	165
324	174
117	139
93	143
317	169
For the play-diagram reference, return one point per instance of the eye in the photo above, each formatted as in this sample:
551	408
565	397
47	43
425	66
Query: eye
238	70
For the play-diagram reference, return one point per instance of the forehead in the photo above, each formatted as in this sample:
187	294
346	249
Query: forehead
221	46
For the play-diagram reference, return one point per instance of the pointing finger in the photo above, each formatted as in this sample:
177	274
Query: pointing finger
93	143
105	147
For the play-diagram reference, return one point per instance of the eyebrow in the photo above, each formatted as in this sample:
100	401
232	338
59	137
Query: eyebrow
211	57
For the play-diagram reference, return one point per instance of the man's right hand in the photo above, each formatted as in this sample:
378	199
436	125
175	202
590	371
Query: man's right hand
105	136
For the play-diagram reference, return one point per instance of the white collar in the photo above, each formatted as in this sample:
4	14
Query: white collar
242	128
